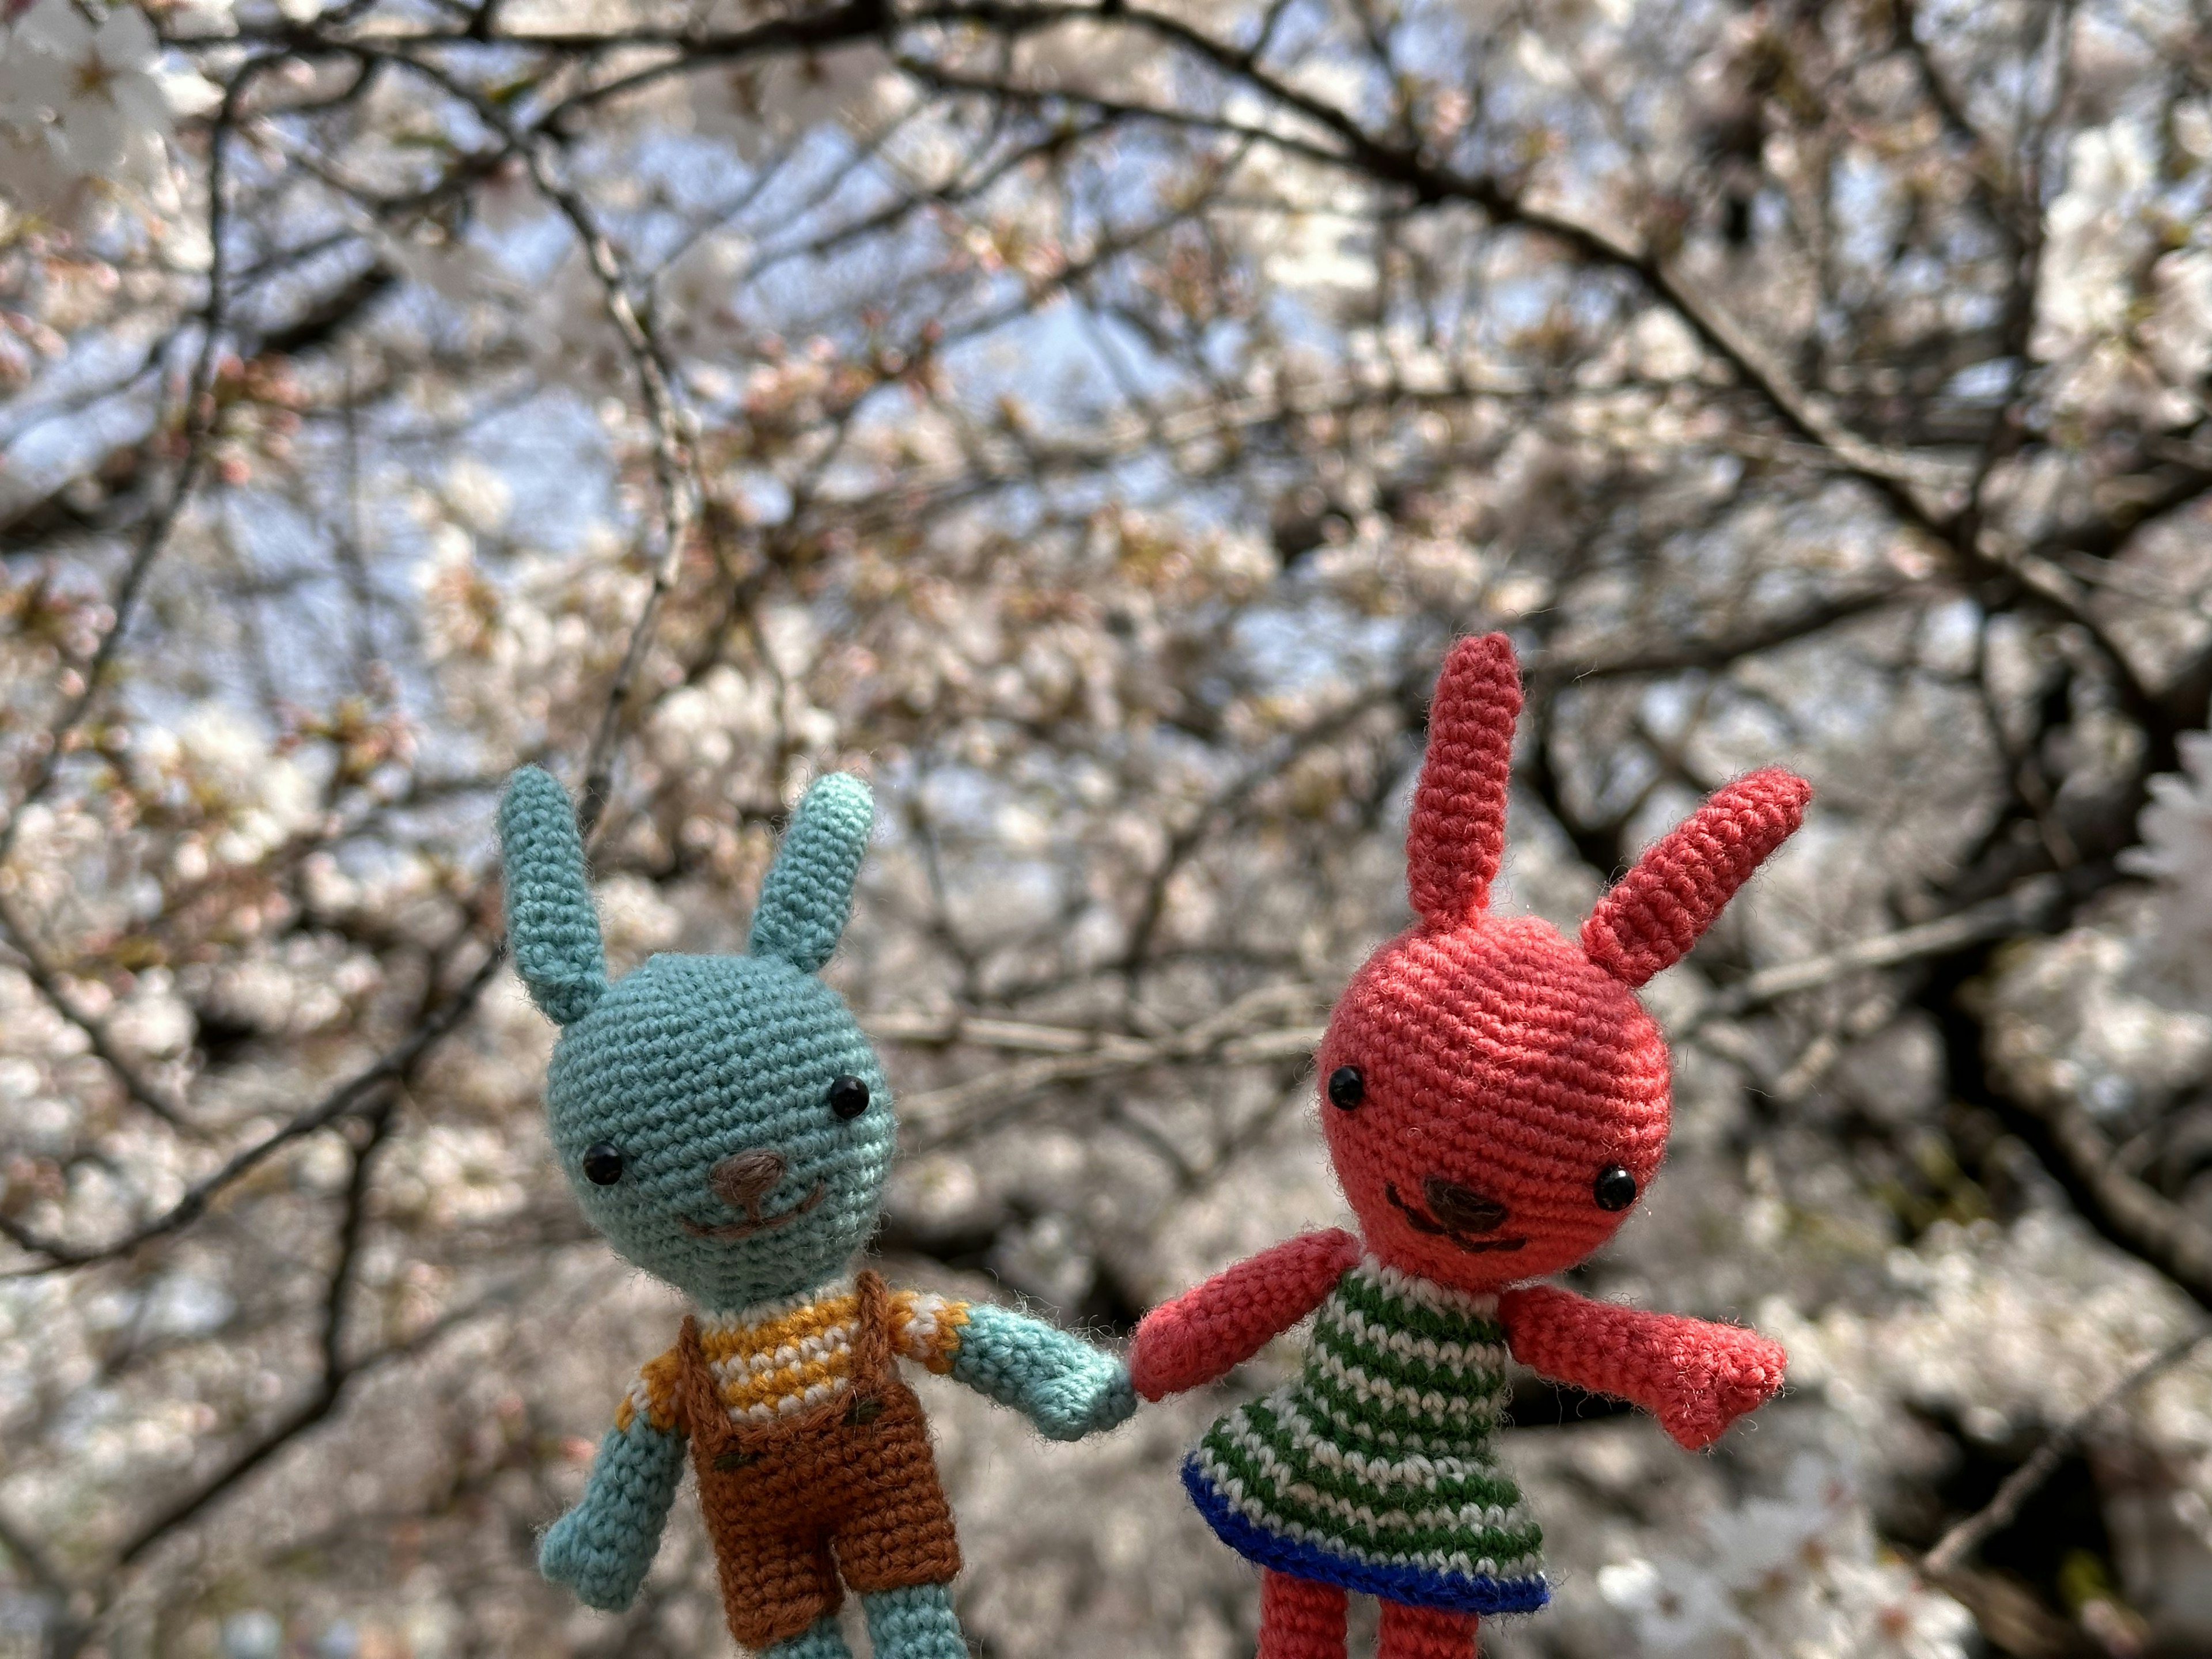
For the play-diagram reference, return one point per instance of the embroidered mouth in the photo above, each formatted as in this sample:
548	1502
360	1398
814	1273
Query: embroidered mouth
756	1222
1423	1221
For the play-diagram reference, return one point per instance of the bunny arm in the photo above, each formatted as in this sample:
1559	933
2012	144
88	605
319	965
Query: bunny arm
602	1548
1062	1384
1695	1376
1213	1328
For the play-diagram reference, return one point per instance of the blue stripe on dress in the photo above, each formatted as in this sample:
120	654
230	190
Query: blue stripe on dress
1419	1587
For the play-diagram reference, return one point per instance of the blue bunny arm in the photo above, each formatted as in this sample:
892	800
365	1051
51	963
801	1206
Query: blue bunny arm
1062	1384
602	1548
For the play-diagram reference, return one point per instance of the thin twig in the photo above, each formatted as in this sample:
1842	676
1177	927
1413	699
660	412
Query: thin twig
1952	1550
2143	1220
153	539
671	427
1994	919
364	1088
350	1227
1234	1036
330	1392
47	982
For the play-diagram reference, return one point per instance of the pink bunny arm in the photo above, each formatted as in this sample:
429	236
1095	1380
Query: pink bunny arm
1218	1325
1695	1376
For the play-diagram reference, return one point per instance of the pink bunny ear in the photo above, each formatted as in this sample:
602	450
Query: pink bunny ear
1656	912
1458	832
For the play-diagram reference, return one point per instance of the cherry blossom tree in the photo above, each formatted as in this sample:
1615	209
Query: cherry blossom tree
1093	422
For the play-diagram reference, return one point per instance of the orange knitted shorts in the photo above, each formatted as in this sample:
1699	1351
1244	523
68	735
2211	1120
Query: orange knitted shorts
847	1488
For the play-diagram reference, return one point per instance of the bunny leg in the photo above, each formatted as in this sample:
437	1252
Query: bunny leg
915	1624
1424	1633
1300	1618
820	1640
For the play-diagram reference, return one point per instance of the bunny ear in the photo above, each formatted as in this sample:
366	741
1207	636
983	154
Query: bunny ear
807	898
1656	912
1458	832
549	920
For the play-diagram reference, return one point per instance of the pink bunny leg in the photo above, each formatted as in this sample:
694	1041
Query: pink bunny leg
1424	1633
1300	1619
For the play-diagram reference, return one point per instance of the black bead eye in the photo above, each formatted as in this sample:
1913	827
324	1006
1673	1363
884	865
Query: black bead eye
848	1097
1614	1187
603	1164
1347	1088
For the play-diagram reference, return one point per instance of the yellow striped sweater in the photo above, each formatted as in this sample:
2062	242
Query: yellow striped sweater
781	1357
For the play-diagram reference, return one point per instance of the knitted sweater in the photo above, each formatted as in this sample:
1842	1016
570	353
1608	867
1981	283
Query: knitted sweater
1374	1469
781	1357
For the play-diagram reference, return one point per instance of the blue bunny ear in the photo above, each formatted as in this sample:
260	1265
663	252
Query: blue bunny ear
550	924
807	898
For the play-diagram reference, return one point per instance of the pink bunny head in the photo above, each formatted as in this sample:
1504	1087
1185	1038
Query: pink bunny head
1496	1097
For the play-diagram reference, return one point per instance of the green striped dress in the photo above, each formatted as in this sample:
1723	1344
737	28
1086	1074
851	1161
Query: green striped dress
1374	1470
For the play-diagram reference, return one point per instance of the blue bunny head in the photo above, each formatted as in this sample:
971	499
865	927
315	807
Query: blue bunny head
722	1119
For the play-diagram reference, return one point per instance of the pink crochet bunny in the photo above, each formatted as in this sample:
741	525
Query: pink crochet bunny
1497	1098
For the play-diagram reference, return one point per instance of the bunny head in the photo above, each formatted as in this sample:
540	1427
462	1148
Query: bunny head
722	1119
1497	1097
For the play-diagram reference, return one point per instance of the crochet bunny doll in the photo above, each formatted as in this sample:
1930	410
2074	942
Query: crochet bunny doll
1497	1098
725	1123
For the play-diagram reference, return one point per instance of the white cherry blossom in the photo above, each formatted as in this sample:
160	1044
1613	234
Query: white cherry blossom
1795	1574
94	98
103	91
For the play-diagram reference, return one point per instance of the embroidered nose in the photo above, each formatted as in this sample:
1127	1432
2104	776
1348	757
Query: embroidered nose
743	1179
1462	1209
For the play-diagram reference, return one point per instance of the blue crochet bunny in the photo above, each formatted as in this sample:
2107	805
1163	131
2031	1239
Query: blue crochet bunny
725	1123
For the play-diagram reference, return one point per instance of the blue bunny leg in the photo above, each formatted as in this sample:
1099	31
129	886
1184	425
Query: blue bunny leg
602	1548
1062	1384
915	1624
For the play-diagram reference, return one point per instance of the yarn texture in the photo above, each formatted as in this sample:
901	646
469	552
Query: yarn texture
1192	1341
791	1354
727	1127
1374	1471
602	1549
845	1486
1495	1101
1300	1618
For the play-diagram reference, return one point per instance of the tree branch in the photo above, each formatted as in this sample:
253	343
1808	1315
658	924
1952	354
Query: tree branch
364	1090
1959	1543
199	427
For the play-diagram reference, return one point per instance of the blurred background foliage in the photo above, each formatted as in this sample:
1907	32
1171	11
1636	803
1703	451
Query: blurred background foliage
1093	422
